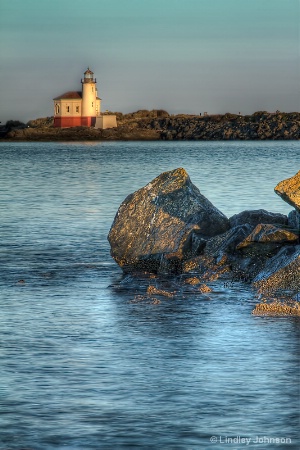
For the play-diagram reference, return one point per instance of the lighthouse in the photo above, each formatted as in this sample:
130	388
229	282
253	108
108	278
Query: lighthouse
90	101
82	109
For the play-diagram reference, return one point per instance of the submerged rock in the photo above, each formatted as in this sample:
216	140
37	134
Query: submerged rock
163	224
153	290
277	308
289	190
255	217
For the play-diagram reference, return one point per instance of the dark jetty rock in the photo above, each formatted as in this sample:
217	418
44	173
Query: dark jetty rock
294	220
255	217
259	126
244	249
226	243
267	237
281	273
163	224
258	247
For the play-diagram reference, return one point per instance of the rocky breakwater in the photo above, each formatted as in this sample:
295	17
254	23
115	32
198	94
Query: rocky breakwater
159	125
258	126
169	228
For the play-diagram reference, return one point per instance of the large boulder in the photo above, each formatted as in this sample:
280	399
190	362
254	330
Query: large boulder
255	217
289	190
164	223
281	273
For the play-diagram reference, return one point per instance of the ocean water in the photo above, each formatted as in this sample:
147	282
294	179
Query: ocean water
83	366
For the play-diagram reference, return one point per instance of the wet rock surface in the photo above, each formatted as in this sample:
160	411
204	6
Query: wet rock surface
277	308
280	273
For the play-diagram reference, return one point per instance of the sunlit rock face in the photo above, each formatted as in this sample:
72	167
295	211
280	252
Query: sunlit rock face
289	190
267	237
164	223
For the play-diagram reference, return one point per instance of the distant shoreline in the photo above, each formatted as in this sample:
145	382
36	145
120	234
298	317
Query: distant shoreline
158	125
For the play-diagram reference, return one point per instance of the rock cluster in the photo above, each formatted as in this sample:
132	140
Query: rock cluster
169	227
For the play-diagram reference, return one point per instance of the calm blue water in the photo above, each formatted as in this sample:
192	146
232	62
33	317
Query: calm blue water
84	367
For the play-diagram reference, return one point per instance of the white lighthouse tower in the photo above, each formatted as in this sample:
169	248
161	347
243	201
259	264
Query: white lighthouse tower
91	103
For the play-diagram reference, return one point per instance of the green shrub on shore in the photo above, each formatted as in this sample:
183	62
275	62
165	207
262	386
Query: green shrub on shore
41	122
14	124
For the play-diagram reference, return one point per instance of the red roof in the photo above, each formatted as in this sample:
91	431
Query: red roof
69	95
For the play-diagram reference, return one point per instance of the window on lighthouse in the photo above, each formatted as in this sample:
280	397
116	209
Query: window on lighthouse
92	104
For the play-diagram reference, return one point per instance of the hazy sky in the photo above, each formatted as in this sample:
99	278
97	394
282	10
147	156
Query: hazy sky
180	55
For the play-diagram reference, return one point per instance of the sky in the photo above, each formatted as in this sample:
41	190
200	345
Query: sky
184	56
